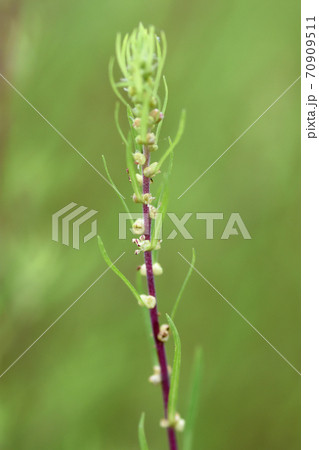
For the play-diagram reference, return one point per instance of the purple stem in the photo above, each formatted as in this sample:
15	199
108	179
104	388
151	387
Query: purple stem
160	348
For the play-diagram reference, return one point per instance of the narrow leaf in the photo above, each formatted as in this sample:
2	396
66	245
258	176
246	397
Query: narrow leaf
176	141
193	403
116	190
173	392
117	271
113	84
189	272
163	108
141	434
117	122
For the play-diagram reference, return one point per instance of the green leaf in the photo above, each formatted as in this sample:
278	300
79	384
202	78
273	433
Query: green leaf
161	52
163	109
117	271
193	403
116	190
141	434
176	141
113	84
117	122
173	392
189	272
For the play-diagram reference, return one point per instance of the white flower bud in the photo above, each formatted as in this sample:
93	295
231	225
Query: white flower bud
157	269
163	334
138	226
147	198
156	377
149	301
178	424
151	170
139	178
143	270
139	158
152	212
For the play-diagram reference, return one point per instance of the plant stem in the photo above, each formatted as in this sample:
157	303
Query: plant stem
160	348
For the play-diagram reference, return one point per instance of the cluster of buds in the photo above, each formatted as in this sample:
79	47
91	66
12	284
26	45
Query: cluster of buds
157	269
145	198
178	423
156	377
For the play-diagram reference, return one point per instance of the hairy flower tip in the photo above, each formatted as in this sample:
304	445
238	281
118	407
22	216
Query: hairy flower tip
148	300
141	59
139	158
163	334
157	269
178	424
138	226
151	170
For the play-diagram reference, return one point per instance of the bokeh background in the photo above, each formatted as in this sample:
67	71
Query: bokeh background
84	384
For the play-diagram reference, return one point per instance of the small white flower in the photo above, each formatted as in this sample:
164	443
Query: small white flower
143	270
139	158
138	226
178	424
152	211
139	178
157	269
163	334
148	300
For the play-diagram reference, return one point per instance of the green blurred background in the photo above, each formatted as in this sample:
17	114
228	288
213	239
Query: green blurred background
84	384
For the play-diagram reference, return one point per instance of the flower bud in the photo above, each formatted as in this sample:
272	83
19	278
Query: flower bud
178	423
156	377
137	199
138	226
137	123
156	115
150	138
157	269
163	334
139	179
148	300
147	198
152	148
152	211
139	158
142	270
151	170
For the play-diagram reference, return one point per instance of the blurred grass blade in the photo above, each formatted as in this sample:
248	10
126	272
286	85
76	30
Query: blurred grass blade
173	144
141	434
173	392
116	190
192	411
189	272
117	271
117	122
